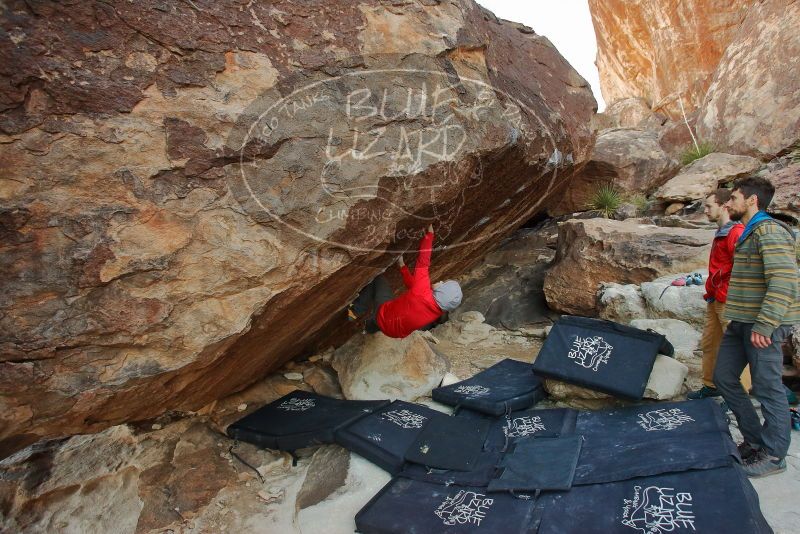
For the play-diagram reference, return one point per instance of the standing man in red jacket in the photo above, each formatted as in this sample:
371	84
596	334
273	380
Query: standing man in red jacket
419	306
720	264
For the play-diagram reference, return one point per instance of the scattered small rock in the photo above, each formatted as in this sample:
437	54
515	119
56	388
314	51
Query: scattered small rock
430	337
666	379
323	380
326	474
674	208
293	376
242	407
486	361
271	496
450	378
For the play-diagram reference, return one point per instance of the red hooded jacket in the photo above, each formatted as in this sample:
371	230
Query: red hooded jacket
416	307
720	263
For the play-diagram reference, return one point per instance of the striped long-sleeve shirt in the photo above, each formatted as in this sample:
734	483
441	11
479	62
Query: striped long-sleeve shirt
764	281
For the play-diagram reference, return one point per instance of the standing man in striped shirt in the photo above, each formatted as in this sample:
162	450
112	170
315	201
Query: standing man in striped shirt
762	306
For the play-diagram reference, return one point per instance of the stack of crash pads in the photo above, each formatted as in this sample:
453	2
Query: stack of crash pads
500	465
656	468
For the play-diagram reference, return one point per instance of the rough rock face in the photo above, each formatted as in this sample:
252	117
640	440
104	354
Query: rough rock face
701	177
752	107
601	250
633	113
663	51
620	303
787	191
683	337
675	138
182	209
374	367
654	300
506	287
684	303
181	478
630	158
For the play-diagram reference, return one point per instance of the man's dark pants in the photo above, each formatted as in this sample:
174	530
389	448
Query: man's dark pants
766	369
369	300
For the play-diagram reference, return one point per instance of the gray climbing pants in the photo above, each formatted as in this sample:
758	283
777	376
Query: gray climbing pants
766	369
370	299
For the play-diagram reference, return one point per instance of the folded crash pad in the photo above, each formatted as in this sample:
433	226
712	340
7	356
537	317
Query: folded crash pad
383	436
506	386
522	425
447	442
405	506
716	500
479	473
539	464
600	355
299	419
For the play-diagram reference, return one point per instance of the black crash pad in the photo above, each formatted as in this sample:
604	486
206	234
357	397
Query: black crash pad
539	464
409	506
652	439
383	436
716	500
448	443
506	430
479	473
506	386
299	419
654	421
620	457
601	355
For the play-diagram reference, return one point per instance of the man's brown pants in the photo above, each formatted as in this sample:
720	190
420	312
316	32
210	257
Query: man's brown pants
714	327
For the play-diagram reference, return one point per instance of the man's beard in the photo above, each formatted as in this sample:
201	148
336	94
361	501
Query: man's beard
736	215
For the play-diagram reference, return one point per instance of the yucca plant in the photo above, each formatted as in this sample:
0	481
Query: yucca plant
606	200
697	151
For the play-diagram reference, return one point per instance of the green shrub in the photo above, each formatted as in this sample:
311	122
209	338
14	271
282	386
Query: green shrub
606	200
794	155
639	200
696	152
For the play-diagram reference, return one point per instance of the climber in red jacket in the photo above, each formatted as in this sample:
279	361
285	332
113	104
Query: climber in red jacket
419	306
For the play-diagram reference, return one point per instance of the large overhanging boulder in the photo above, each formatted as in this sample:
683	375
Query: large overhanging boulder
191	192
